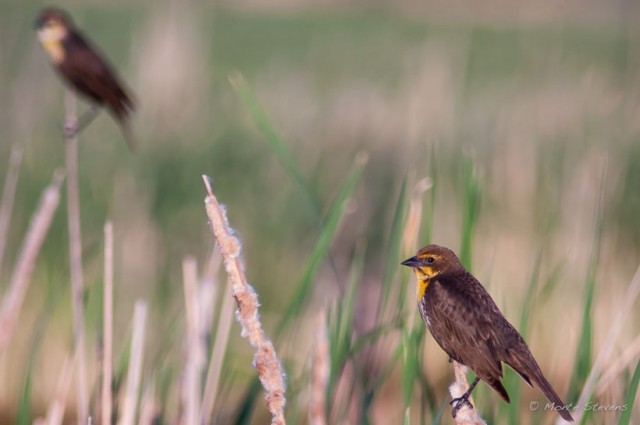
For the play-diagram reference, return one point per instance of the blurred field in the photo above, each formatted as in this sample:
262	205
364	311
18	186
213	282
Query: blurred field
538	121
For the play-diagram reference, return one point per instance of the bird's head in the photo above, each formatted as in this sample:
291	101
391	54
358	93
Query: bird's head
53	26
433	260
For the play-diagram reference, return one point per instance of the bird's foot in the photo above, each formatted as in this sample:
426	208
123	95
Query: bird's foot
459	402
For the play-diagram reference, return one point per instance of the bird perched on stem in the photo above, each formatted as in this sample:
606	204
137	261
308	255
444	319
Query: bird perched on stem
84	68
466	322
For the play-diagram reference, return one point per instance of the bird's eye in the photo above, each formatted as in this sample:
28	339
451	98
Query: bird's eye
430	259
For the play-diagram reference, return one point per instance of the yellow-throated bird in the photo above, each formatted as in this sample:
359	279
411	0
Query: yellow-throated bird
83	67
466	322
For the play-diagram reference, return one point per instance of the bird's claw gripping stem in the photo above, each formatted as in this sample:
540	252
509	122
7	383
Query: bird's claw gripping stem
459	402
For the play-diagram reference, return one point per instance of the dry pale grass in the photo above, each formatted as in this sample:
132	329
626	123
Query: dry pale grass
21	277
319	376
75	258
8	195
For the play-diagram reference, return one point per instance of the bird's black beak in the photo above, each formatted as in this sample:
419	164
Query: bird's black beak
411	262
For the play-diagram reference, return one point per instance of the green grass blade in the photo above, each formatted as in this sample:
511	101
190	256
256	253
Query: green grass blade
625	417
319	252
470	211
429	211
24	405
395	238
411	366
323	243
512	379
340	333
279	147
584	349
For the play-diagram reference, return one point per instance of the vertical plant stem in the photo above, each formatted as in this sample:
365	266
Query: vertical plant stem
8	195
55	412
194	345
217	355
21	277
148	408
633	291
320	367
107	363
75	257
135	364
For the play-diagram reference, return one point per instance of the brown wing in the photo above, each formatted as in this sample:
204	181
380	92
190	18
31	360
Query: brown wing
458	320
91	75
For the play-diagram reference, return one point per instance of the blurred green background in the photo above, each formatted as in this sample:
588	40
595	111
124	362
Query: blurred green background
526	118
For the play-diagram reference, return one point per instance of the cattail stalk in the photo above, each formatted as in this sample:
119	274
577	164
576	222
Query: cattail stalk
217	355
320	366
107	360
21	277
194	344
266	360
467	415
135	364
148	407
55	412
8	195
75	257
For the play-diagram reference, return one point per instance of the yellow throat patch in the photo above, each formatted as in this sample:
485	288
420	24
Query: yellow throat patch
54	49
51	37
423	278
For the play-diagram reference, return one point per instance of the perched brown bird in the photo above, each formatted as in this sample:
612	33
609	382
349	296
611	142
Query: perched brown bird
466	322
83	67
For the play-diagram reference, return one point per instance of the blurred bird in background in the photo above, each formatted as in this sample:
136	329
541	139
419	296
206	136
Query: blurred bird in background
83	67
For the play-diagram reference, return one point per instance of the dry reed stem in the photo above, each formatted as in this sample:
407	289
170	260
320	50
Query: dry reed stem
208	294
107	361
413	223
266	360
8	195
466	415
55	412
628	358
148	407
614	331
135	364
319	373
217	355
21	277
195	348
75	257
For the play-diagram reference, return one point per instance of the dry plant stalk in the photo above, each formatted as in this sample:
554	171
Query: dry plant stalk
135	364
217	355
319	373
466	415
266	360
21	277
413	223
628	358
107	350
75	257
614	331
55	412
194	344
8	195
148	407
